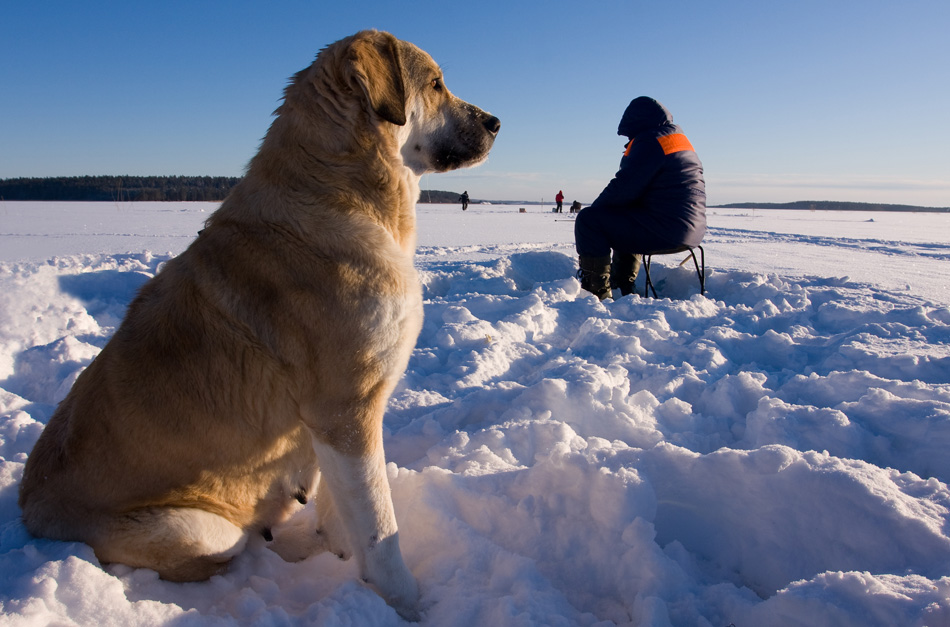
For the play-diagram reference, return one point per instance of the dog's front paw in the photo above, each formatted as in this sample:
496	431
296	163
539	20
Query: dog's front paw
410	614
405	601
386	572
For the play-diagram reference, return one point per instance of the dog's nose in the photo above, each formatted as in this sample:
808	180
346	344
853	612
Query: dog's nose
492	124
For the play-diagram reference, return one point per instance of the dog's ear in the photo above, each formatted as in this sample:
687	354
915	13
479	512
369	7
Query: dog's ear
378	70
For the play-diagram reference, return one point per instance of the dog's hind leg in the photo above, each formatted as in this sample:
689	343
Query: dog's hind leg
359	488
298	538
314	529
180	543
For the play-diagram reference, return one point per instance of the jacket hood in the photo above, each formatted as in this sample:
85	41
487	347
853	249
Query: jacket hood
643	114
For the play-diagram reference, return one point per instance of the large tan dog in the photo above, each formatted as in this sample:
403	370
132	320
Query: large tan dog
258	363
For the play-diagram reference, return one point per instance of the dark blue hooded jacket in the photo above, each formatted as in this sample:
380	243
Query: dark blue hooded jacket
660	178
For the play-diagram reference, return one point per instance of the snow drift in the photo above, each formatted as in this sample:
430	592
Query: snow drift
771	453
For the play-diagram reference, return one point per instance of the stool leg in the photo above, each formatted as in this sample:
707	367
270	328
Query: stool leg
701	273
649	281
699	264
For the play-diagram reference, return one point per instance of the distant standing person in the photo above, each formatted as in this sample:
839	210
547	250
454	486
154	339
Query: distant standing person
559	199
656	201
464	200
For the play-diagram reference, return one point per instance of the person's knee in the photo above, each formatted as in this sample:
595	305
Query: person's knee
589	238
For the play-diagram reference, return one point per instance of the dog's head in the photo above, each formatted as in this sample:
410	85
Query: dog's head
395	83
442	132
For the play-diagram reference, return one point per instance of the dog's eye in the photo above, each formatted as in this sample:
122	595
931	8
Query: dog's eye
437	84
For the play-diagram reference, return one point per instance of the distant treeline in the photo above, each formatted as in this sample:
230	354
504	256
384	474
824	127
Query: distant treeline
119	188
144	188
829	205
436	196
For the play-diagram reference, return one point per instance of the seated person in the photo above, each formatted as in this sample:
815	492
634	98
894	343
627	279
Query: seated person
655	202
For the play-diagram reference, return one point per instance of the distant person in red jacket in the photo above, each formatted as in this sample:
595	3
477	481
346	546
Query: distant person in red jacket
559	199
656	201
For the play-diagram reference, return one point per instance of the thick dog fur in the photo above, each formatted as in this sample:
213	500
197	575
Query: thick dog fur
253	371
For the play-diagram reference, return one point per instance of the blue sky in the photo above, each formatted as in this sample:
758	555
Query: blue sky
826	99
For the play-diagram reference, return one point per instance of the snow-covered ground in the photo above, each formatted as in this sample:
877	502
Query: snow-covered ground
771	453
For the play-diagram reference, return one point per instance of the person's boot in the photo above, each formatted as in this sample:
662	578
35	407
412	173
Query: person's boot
623	272
594	274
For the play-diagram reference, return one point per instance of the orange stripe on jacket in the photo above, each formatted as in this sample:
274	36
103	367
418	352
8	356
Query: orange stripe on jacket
669	143
674	143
